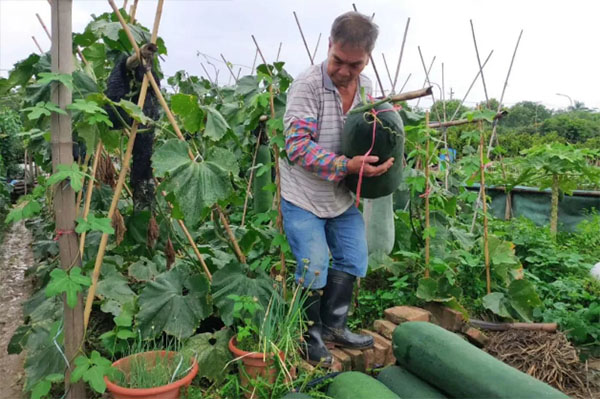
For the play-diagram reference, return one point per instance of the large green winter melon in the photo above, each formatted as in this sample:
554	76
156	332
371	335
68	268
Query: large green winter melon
355	385
459	369
407	385
263	199
389	142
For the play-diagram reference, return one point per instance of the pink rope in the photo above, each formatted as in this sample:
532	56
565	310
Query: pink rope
362	165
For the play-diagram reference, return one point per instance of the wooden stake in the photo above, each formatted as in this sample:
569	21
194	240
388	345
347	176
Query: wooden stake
37	45
249	186
232	238
88	194
427	222
228	68
373	62
486	249
132	11
400	57
487	100
310	57
64	196
44	26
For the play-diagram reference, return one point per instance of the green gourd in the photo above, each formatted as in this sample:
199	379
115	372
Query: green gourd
407	385
263	199
389	142
459	369
379	223
355	385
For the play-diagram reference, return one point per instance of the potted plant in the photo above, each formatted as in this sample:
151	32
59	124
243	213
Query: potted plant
155	374
267	340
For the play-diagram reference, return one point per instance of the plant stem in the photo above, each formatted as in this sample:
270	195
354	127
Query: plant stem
426	166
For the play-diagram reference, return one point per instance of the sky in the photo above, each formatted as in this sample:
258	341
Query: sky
557	52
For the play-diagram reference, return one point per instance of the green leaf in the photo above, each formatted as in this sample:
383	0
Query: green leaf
71	284
197	185
427	289
41	389
94	223
216	125
496	303
49	77
175	303
42	109
114	287
134	111
24	210
70	172
170	156
144	270
523	298
246	85
212	353
224	158
186	107
237	279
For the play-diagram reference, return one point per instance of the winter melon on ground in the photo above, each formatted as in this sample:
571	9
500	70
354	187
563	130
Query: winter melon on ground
407	385
355	385
459	369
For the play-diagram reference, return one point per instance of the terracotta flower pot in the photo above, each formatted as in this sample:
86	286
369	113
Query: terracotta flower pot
169	391
254	365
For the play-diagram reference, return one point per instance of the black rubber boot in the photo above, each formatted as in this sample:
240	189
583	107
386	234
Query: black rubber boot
313	348
335	305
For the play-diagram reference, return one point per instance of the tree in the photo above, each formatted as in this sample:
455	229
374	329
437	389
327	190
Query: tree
526	115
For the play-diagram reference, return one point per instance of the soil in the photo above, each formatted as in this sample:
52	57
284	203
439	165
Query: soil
15	258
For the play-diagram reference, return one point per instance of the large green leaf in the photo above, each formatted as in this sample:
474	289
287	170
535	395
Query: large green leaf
496	302
237	279
212	353
186	107
114	289
523	299
197	185
170	156
175	302
144	270
216	125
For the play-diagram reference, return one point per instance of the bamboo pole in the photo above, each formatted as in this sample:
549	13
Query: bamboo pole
229	68
405	82
487	99
486	249
400	56
88	194
124	166
314	54
427	222
80	193
132	11
44	26
387	70
472	84
278	51
277	171
241	257
37	45
425	80
372	61
64	196
310	57
437	114
249	186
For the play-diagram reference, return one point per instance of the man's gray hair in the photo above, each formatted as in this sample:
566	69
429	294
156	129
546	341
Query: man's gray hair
354	29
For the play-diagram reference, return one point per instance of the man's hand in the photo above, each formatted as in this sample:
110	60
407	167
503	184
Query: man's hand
369	170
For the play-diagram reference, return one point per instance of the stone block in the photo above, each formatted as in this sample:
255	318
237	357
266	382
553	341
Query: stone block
385	328
450	319
401	314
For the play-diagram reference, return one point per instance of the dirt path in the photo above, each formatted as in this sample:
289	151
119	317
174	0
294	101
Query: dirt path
15	258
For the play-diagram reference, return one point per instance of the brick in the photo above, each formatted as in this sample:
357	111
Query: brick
304	365
390	358
401	314
369	355
385	328
476	337
445	317
342	358
382	348
357	358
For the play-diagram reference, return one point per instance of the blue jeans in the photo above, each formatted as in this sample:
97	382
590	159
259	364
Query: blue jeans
311	238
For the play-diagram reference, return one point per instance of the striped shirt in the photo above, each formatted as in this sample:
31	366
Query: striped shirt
314	123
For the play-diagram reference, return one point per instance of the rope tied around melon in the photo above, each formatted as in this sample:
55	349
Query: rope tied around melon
374	113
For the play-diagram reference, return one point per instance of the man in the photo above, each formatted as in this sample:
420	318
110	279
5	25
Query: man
318	210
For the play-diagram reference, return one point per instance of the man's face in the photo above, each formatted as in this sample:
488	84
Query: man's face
345	63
